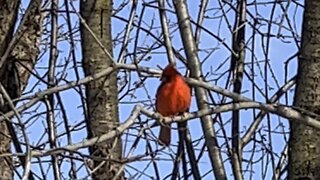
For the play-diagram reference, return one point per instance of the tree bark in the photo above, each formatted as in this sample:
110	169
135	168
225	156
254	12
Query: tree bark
237	69
18	62
102	99
304	144
9	11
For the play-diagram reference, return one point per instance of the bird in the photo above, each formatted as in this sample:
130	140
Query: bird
173	98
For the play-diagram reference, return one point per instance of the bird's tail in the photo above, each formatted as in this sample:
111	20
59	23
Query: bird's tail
165	135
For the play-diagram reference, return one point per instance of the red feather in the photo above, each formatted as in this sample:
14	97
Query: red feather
173	98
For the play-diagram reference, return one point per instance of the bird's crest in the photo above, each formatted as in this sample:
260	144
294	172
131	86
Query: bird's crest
170	71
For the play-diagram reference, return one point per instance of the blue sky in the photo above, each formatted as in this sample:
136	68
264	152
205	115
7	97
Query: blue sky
280	50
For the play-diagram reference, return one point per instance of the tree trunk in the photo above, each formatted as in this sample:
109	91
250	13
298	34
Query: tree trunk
9	12
17	62
102	99
304	144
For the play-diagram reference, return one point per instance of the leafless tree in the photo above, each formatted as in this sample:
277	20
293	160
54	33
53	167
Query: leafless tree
304	144
78	84
101	94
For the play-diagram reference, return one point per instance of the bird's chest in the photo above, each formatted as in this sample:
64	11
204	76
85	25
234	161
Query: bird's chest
171	100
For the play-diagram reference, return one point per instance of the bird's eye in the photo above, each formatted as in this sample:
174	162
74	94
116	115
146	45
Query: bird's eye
163	79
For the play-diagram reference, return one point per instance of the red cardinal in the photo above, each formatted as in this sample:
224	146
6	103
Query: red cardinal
173	98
